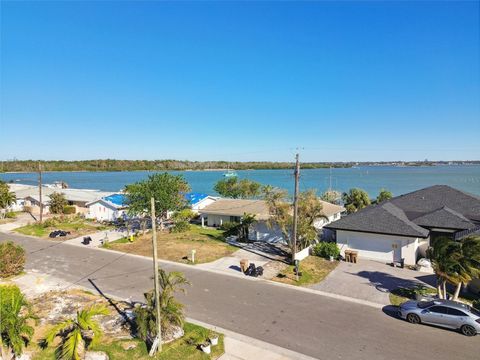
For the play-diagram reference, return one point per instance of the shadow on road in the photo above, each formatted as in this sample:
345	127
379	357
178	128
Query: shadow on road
385	282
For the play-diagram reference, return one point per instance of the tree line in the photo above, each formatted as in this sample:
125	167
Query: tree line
153	165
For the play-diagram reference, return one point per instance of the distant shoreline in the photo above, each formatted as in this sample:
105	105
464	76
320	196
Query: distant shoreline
28	171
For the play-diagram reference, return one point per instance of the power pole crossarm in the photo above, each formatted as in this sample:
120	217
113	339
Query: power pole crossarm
156	280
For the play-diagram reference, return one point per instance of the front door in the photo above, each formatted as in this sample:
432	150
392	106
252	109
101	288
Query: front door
397	251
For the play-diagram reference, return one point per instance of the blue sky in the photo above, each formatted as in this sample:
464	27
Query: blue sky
344	81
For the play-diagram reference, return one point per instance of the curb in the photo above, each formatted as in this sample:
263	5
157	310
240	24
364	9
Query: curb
252	341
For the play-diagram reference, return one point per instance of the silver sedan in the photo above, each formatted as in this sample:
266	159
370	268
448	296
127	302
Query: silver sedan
444	313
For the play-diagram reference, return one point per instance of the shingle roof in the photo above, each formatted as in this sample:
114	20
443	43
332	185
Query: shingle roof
438	206
238	207
424	201
383	219
445	218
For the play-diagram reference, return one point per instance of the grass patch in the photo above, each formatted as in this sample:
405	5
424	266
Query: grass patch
184	348
400	295
75	225
209	244
313	268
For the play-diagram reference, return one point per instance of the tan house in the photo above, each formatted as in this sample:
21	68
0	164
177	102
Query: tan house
232	210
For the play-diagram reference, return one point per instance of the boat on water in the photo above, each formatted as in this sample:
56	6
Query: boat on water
230	173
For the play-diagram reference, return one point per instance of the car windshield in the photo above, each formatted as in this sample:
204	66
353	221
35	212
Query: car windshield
425	304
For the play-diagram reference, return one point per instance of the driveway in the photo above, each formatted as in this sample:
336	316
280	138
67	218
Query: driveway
371	280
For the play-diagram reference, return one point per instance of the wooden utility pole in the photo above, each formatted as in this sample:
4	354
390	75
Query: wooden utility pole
157	344
295	209
40	191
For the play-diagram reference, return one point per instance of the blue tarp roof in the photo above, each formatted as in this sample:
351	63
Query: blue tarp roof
117	199
194	197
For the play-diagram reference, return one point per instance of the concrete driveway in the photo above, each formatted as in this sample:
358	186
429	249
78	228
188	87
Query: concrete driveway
371	280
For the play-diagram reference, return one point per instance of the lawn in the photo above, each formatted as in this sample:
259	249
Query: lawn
183	348
400	295
76	225
208	243
313	269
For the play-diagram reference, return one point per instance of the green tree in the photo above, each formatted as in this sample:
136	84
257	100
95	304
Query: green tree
281	216
444	257
181	220
331	196
468	260
167	190
355	199
7	198
15	315
171	311
238	189
78	334
57	202
384	195
244	226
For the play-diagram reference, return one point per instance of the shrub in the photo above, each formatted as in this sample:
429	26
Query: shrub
52	222
230	228
10	215
181	226
27	209
12	259
326	249
69	209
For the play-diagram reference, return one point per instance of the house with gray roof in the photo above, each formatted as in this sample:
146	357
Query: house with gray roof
405	226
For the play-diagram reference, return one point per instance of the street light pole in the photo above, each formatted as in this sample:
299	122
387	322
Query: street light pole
295	209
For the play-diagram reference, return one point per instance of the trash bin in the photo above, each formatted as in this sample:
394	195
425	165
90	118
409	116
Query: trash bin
348	255
354	256
244	265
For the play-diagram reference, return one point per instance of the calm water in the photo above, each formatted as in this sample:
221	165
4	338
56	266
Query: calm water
398	180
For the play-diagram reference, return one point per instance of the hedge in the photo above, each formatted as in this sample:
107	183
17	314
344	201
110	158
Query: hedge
12	259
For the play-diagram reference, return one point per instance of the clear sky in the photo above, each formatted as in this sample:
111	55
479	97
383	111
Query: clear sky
345	81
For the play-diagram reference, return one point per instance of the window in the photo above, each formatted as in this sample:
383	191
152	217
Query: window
438	309
455	312
425	304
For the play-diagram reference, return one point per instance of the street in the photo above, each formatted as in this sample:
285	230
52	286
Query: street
315	325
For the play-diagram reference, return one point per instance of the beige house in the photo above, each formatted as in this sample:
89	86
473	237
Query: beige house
232	210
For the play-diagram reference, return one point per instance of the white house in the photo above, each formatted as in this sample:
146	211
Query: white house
198	201
405	226
108	208
232	210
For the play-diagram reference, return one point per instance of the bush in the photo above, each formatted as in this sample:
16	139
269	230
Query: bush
27	209
52	222
7	292
181	226
10	215
69	209
12	259
326	249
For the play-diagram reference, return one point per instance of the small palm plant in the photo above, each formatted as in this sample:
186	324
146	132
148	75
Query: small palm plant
171	311
15	315
77	334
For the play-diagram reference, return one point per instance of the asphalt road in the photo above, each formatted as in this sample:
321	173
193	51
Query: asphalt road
315	325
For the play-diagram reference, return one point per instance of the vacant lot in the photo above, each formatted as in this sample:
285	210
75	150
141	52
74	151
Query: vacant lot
208	243
75	225
313	269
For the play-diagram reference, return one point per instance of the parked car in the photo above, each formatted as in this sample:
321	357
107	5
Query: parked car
444	313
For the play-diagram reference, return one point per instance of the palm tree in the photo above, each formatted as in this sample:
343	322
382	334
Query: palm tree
7	198
247	221
77	334
172	314
468	263
15	315
444	256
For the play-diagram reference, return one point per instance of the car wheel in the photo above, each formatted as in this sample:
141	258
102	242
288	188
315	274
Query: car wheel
413	319
468	330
